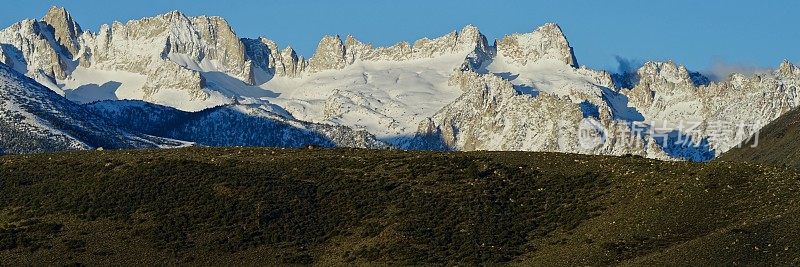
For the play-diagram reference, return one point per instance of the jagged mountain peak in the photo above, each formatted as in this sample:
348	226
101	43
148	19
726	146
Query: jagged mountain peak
787	69
664	69
66	30
335	53
467	40
268	56
153	24
470	35
353	43
179	19
217	20
551	29
265	40
547	42
32	47
470	28
25	26
61	15
171	18
330	54
671	72
331	37
173	14
56	9
288	49
351	38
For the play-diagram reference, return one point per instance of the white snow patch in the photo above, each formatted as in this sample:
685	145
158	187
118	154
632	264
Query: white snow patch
89	85
386	98
544	76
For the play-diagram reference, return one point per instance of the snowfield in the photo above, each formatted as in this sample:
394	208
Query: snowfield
388	99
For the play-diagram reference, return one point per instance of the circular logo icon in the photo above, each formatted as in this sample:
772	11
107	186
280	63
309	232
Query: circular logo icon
591	134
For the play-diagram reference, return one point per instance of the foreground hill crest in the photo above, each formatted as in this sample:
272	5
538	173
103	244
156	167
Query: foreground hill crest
260	206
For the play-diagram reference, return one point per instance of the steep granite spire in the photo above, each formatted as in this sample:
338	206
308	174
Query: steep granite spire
470	37
787	69
31	41
330	54
355	49
66	30
291	65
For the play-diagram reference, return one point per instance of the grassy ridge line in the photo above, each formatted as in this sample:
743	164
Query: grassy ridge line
243	205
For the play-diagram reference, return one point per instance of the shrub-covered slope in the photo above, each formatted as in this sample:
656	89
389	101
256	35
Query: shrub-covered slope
349	206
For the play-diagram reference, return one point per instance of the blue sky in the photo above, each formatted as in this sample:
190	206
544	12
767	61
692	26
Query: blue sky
703	35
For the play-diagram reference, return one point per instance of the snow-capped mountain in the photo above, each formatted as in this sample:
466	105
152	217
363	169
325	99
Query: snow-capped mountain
724	113
33	118
459	91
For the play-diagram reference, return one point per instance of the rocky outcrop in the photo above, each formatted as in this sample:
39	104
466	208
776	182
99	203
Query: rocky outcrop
223	46
4	59
492	115
265	54
788	70
32	41
356	50
290	64
662	80
330	55
261	52
546	42
467	40
66	31
173	50
333	53
723	113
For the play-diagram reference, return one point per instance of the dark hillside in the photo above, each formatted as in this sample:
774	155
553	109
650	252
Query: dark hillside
347	206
